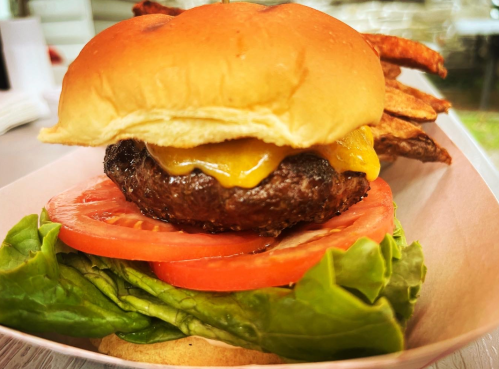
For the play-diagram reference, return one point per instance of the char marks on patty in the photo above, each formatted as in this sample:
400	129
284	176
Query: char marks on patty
303	188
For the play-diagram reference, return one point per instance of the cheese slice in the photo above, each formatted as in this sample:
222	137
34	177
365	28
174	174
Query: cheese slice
246	162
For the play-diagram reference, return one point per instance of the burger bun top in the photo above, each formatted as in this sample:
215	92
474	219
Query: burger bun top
286	74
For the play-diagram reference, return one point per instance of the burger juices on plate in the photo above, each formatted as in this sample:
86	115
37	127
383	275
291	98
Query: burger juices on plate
241	220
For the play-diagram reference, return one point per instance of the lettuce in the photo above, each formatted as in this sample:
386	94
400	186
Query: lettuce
132	298
408	276
352	303
37	294
158	331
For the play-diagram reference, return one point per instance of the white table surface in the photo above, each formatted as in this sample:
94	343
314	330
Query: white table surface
21	153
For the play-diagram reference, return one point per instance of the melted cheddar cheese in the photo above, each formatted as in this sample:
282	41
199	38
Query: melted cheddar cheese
246	162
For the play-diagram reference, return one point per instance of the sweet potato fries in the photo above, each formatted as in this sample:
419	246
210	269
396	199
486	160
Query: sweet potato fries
151	7
399	132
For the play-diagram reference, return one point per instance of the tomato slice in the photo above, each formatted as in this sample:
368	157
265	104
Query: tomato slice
97	219
296	252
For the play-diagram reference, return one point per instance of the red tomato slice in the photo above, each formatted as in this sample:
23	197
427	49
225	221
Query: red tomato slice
97	219
297	251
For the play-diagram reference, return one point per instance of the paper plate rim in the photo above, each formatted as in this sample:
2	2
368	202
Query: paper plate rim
432	352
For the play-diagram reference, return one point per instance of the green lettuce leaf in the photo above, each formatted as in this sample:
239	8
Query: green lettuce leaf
158	331
366	266
408	275
317	320
353	303
406	281
39	295
131	298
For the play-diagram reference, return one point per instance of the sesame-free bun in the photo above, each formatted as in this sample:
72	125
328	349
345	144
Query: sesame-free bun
191	351
286	74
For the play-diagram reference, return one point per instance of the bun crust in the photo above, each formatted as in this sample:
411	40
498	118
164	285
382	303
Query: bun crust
286	74
191	351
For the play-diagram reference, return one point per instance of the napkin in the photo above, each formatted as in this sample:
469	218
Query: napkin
17	108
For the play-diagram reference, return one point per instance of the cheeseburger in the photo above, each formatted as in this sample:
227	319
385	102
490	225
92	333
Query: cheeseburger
241	219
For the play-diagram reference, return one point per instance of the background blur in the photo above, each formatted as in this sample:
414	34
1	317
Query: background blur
466	32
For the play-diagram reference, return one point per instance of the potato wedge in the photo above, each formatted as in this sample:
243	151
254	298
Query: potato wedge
150	7
391	71
439	105
407	53
401	104
396	137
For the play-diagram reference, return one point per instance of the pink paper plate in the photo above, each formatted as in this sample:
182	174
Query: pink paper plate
450	209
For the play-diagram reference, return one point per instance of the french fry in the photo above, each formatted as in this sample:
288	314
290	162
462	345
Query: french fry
439	105
391	71
150	7
407	53
387	158
402	104
396	137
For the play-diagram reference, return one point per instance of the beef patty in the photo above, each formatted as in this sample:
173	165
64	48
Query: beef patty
303	188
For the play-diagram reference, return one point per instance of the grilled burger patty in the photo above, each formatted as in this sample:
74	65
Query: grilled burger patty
303	188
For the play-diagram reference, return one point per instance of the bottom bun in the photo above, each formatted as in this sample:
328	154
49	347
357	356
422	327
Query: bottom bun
192	351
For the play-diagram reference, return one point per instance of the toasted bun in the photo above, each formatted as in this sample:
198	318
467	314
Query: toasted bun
286	74
192	351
